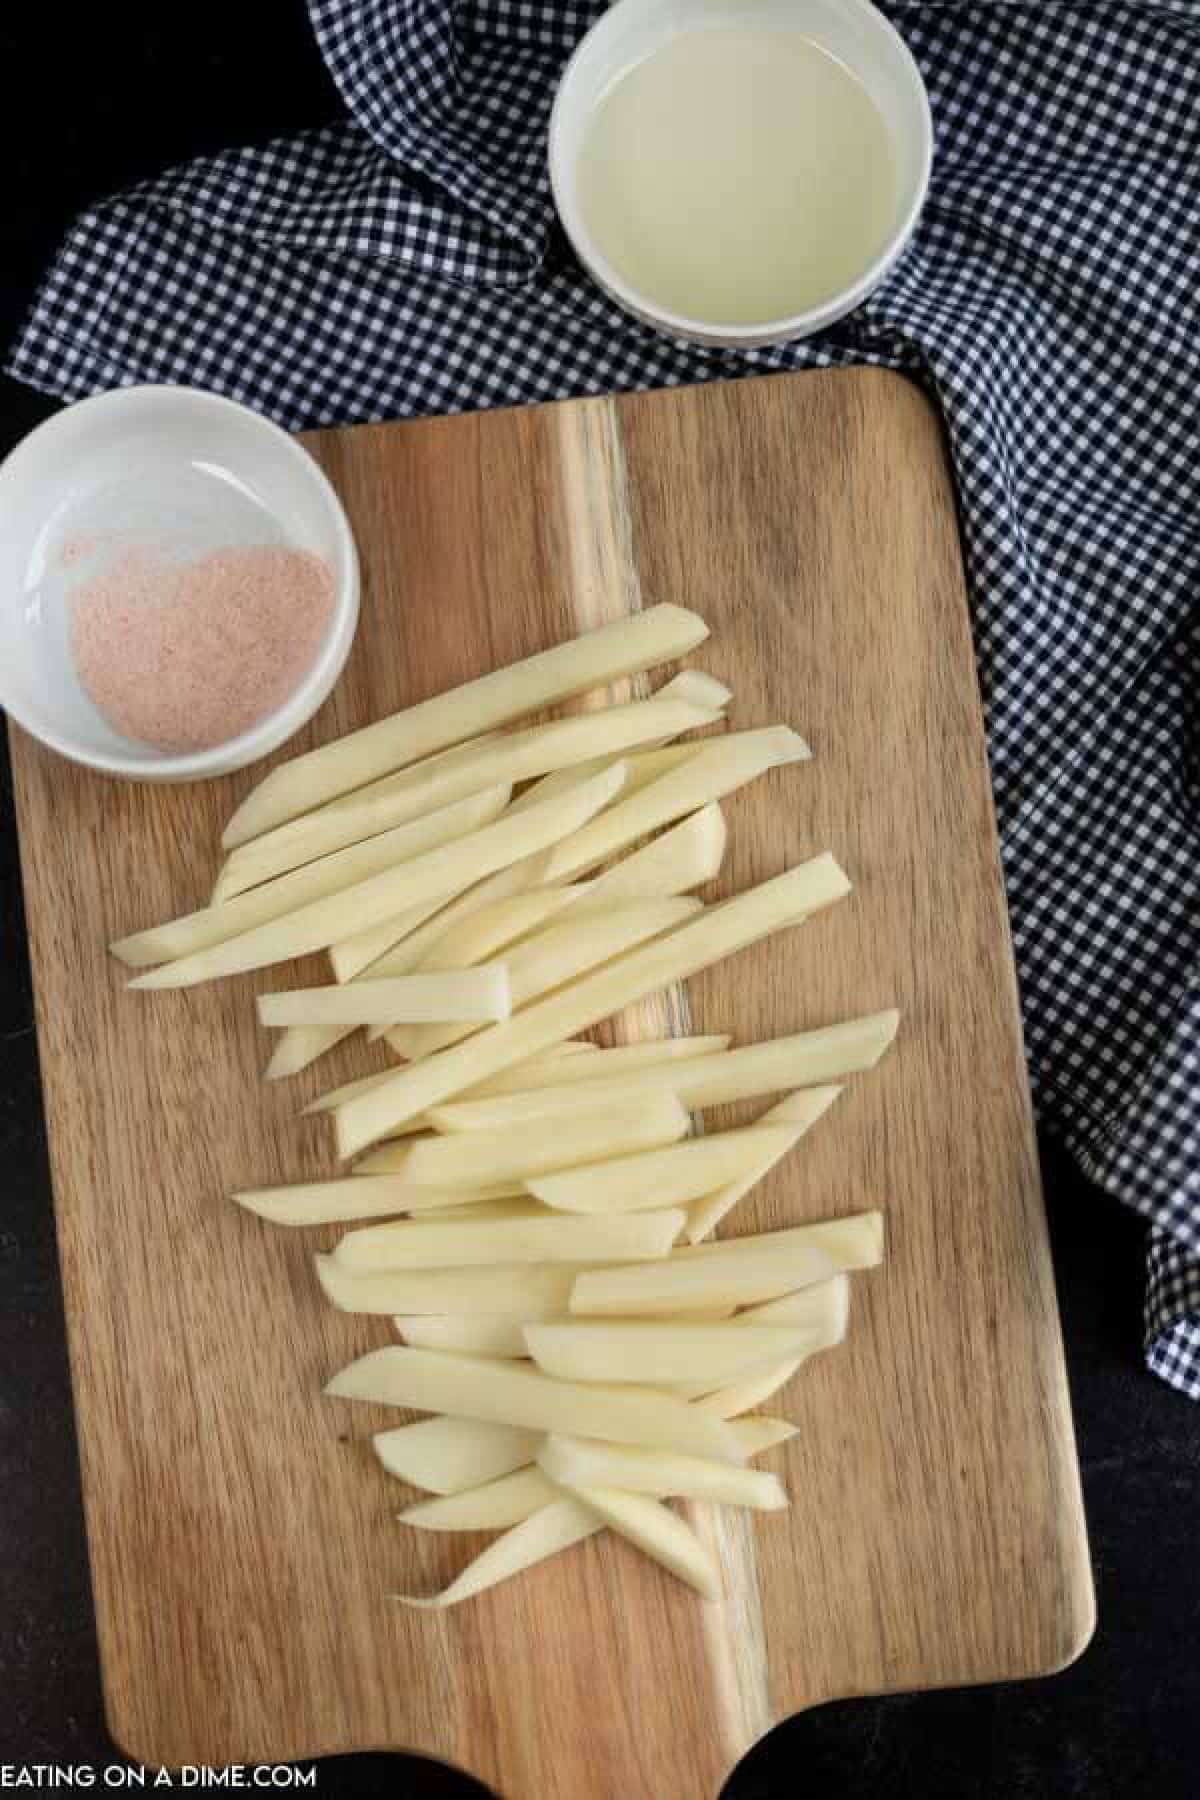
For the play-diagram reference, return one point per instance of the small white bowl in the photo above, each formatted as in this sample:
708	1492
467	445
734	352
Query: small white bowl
178	466
854	31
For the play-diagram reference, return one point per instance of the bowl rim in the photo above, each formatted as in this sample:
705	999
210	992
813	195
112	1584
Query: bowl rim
300	705
760	333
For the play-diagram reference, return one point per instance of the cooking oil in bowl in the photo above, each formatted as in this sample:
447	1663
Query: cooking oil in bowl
737	176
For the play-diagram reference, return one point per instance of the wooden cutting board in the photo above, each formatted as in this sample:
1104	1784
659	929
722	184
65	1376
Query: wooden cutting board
242	1536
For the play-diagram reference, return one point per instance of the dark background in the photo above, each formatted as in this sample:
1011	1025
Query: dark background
100	97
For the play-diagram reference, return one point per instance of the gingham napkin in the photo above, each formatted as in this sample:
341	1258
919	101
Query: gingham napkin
407	261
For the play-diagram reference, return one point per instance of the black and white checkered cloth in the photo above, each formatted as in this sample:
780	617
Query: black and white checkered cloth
408	261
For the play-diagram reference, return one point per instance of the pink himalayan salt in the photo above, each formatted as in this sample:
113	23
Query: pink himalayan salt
186	655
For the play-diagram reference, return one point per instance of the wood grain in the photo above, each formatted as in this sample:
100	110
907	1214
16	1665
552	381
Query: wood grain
242	1537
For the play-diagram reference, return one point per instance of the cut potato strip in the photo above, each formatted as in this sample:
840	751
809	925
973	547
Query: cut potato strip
495	926
572	1462
667	1177
444	871
757	1435
658	1532
478	1334
484	1334
362	1084
641	768
301	1045
329	1202
461	994
542	1535
806	1343
346	1198
696	687
412	1244
751	1391
855	1242
725	764
559	954
471	1158
796	1113
742	1074
395	947
512	1393
344	870
536	1291
555	1068
682	1281
466	1206
334	827
705	940
824	1310
478	764
579	1350
685	857
492	1507
625	647
449	1456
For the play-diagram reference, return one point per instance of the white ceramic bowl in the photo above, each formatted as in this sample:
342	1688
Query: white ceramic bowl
176	464
852	30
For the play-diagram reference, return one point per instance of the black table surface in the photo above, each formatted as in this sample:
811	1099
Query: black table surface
98	98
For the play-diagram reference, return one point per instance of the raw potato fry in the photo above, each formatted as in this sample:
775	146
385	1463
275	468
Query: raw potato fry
541	1535
471	1158
480	763
559	954
412	1244
641	768
805	1344
495	926
660	634
824	1310
685	857
472	994
580	1350
345	869
538	1292
395	947
478	1334
556	1069
328	1202
740	1074
362	1084
492	1507
449	1456
301	1045
577	1463
667	1177
752	1390
657	1531
484	1334
467	1207
511	1393
797	1113
333	827
697	688
558	1066
509	1498
684	1281
725	764
444	871
757	1435
855	1242
697	945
